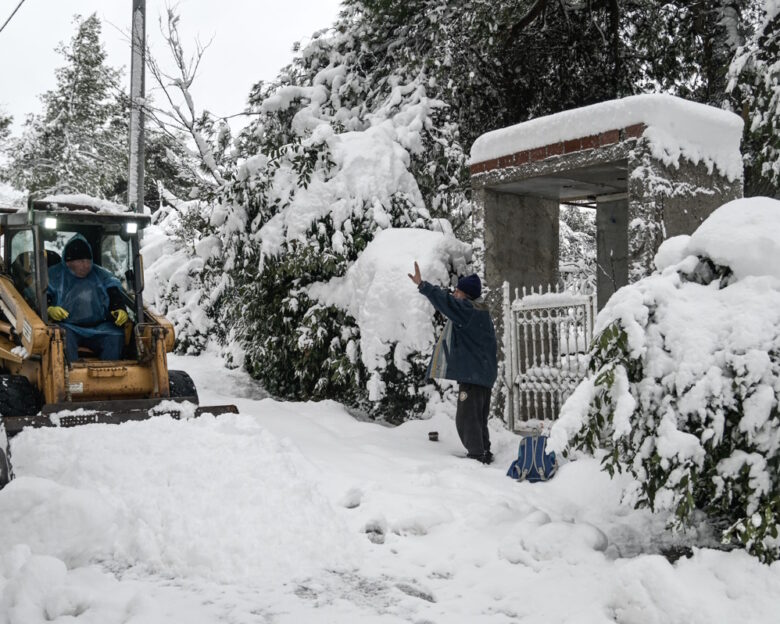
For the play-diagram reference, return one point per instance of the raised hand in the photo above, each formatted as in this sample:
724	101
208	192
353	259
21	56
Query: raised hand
416	277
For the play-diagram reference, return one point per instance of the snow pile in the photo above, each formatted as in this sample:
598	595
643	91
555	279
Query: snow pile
676	128
742	235
194	497
378	294
296	512
687	377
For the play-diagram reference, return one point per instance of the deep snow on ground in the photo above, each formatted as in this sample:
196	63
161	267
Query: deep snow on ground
297	512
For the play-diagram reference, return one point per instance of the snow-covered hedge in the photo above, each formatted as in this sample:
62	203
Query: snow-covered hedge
685	379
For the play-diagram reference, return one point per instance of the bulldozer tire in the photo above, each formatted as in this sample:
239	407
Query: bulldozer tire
18	397
182	386
6	470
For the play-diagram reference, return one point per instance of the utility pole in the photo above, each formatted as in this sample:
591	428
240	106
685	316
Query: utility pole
135	178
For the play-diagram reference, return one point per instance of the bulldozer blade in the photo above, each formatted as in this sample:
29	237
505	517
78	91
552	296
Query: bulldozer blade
111	412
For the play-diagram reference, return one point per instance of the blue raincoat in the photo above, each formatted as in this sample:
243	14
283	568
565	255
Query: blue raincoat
85	299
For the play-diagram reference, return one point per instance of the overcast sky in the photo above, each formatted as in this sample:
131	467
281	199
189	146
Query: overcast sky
252	40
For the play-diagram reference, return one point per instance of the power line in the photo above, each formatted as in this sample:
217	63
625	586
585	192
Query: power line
10	17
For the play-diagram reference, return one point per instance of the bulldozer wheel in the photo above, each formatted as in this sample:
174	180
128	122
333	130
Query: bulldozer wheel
182	386
18	397
6	471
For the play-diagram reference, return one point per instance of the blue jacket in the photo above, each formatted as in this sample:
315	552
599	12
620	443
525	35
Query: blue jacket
86	299
466	351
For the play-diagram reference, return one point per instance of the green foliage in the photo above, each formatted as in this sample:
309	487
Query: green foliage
723	477
406	394
755	75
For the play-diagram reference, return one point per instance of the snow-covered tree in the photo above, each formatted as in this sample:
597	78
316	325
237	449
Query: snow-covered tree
684	48
5	126
755	85
78	143
681	396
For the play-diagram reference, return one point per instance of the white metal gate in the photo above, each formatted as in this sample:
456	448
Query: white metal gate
546	338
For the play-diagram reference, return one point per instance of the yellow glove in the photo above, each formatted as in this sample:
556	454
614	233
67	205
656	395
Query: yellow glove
56	313
120	317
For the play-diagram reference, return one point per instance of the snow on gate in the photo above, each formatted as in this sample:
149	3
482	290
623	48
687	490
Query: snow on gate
546	338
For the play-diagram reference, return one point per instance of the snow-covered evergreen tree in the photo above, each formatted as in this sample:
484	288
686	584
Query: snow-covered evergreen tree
78	143
681	396
5	126
755	85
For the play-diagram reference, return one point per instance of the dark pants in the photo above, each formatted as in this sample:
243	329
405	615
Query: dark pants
105	346
471	418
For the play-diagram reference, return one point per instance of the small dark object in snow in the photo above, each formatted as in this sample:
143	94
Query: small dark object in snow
673	553
433	436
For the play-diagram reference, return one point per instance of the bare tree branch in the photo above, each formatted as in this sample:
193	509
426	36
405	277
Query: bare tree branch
184	118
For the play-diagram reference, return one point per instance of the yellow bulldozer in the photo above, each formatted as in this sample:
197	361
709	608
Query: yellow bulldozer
39	387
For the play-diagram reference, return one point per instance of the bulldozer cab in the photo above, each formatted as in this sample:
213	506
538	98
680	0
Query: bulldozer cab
34	241
32	345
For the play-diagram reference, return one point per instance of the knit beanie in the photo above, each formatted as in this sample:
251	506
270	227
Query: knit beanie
471	285
78	250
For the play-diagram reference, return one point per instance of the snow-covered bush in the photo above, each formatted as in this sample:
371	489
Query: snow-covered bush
334	157
685	380
175	251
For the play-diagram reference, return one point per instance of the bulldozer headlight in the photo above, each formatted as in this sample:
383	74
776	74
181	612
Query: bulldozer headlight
50	223
131	227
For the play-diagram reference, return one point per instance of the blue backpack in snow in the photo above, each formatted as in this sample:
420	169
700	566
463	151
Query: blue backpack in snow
533	462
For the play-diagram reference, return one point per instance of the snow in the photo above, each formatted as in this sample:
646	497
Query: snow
676	128
371	167
94	203
10	197
378	294
293	512
171	273
743	235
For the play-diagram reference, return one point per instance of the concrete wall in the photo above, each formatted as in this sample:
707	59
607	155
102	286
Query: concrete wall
611	247
521	240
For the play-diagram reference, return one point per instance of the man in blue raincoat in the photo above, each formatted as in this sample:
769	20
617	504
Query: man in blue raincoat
86	301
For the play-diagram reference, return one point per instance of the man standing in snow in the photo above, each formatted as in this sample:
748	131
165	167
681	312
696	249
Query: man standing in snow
466	353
